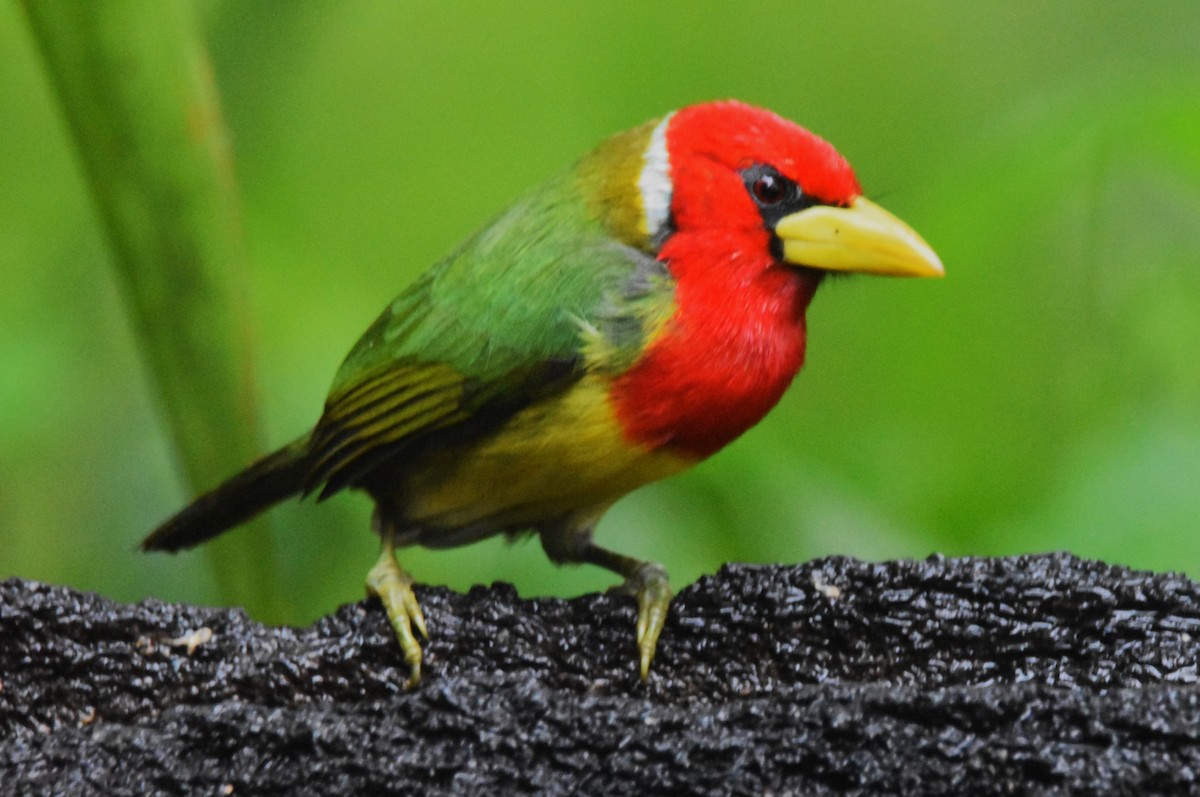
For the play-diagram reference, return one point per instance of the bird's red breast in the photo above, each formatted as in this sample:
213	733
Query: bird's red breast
723	360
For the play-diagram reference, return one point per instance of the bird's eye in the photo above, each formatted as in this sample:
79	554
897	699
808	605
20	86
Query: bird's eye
775	195
769	189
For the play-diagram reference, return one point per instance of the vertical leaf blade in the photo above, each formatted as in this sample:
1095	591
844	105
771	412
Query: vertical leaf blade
137	92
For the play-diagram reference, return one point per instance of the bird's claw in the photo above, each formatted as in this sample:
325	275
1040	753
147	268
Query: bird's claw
393	586
653	590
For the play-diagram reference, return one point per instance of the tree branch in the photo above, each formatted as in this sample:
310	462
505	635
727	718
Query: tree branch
983	676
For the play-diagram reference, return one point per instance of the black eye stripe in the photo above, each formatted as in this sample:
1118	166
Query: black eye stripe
775	195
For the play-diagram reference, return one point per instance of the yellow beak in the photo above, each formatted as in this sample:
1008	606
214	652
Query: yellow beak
862	238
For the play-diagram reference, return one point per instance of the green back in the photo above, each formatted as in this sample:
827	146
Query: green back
521	309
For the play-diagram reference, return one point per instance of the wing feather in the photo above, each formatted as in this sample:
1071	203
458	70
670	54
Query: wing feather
385	407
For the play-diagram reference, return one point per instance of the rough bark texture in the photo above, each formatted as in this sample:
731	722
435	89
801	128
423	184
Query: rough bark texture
1029	675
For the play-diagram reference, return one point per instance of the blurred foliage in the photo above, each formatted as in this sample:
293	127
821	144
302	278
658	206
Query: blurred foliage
136	89
1045	395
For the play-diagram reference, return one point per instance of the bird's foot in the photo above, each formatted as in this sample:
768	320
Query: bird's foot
650	584
388	581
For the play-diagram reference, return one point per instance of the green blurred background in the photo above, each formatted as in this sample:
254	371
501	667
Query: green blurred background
1045	395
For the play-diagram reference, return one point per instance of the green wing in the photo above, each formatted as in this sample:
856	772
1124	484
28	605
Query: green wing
503	321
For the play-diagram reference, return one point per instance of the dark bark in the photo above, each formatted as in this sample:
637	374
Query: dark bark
1029	675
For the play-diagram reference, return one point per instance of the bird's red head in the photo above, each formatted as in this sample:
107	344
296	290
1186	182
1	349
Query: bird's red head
751	182
727	159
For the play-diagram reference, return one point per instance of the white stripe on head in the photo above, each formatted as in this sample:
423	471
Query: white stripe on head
655	181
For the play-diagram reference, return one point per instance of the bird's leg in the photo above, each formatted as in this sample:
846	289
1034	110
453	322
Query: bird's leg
388	581
647	581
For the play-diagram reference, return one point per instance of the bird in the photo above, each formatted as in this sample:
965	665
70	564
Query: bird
614	326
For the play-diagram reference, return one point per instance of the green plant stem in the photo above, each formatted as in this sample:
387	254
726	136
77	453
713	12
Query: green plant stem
137	92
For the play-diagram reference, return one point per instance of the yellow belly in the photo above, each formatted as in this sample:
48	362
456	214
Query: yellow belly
564	456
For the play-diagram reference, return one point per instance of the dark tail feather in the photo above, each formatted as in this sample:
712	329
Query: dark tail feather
267	482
